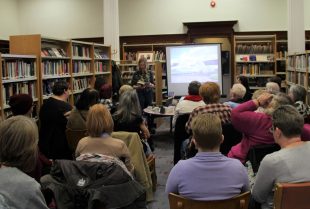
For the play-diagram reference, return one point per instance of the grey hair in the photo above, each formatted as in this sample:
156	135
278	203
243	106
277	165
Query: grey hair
288	120
239	90
128	107
278	100
272	87
299	93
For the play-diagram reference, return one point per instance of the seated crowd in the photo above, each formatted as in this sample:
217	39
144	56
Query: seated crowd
264	118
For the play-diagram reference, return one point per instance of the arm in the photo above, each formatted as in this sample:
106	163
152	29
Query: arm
265	180
145	130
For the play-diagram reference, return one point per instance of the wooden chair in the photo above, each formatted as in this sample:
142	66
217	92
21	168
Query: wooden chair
179	136
74	136
152	167
238	202
292	196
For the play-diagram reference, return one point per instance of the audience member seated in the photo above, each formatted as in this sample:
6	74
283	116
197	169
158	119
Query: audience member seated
53	121
128	117
21	104
18	154
272	87
244	81
77	118
188	103
124	88
237	93
287	165
298	95
211	94
255	126
209	175
275	79
105	93
99	124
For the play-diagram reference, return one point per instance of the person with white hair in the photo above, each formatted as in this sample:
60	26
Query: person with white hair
237	93
272	87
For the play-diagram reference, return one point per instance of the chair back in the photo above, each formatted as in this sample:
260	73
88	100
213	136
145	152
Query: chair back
238	202
231	138
292	196
74	136
258	152
179	135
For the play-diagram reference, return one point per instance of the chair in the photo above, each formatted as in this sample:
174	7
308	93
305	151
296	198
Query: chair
179	136
152	167
231	138
292	196
238	202
258	152
74	136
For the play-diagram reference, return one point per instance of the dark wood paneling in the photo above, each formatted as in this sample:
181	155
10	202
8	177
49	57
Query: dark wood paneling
4	46
98	40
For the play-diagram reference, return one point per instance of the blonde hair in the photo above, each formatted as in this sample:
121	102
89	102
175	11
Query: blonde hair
99	121
257	93
238	90
210	92
207	130
19	143
124	88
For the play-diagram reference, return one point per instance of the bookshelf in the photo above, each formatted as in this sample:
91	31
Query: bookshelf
255	58
281	61
78	63
19	74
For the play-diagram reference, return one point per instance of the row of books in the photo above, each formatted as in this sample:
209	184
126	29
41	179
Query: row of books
81	67
11	89
301	79
299	61
18	69
80	84
53	52
59	67
254	48
160	56
254	69
81	51
281	54
100	54
100	67
130	56
48	86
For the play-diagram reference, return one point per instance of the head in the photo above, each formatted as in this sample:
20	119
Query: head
237	91
210	92
18	143
272	87
60	88
207	131
286	122
257	93
88	98
244	81
278	100
124	88
142	64
129	106
297	93
100	81
21	104
105	91
276	79
99	121
193	88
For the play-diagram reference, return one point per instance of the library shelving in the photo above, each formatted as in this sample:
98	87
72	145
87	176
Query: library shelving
19	74
78	63
281	61
255	58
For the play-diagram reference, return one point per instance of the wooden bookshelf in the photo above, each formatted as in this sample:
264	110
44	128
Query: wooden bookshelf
255	58
19	74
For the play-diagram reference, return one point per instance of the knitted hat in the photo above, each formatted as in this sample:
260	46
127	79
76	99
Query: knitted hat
20	103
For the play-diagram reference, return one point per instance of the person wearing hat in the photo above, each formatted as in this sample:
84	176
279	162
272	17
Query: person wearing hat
21	104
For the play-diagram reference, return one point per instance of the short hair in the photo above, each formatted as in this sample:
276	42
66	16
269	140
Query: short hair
278	100
105	91
275	79
210	92
299	93
60	87
207	130
124	88
272	87
288	120
20	104
19	143
238	90
193	88
99	121
88	98
99	82
142	59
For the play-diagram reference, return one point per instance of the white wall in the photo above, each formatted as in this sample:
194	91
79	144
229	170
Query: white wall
9	22
62	18
147	17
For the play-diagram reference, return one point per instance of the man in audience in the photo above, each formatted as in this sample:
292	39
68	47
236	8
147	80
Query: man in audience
237	93
189	102
209	175
288	164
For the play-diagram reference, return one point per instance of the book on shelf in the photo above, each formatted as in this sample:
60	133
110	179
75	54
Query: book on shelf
100	54
18	69
53	52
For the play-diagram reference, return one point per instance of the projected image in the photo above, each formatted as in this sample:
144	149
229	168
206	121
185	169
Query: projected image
194	63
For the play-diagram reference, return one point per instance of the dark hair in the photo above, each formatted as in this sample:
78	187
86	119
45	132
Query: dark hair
99	82
288	120
60	87
193	88
275	79
105	91
88	98
20	104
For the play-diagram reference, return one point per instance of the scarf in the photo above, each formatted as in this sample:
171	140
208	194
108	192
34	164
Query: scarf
194	98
